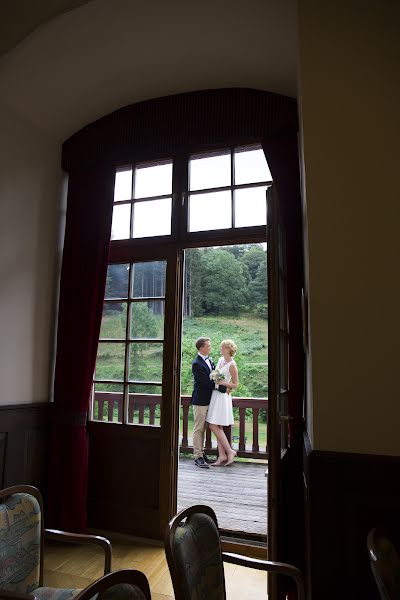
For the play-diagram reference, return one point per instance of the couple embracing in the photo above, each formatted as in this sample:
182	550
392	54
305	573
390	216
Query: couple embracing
212	401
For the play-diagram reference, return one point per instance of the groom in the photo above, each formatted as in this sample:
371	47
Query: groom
202	390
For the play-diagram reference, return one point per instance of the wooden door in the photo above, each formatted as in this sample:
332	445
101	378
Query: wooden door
132	430
278	339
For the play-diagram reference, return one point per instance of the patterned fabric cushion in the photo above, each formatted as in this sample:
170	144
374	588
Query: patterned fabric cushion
20	543
197	553
48	593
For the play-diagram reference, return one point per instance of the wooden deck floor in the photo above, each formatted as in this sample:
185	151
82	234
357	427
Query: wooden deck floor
238	493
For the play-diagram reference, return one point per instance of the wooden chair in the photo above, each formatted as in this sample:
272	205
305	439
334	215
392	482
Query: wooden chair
195	558
22	536
385	564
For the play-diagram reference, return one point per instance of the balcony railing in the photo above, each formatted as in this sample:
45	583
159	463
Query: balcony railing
144	409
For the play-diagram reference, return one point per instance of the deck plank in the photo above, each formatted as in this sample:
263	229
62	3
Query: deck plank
238	493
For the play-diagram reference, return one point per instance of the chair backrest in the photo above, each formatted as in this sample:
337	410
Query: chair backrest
123	591
385	564
21	539
193	550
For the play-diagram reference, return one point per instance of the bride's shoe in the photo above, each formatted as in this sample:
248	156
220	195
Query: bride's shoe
219	462
231	458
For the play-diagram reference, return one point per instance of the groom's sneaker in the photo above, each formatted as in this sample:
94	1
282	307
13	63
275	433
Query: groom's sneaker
208	461
200	462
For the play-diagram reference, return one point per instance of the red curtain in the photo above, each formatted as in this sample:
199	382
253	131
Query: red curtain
82	287
283	159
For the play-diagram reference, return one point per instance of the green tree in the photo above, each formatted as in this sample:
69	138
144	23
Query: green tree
224	287
258	286
145	321
117	281
192	293
253	259
241	250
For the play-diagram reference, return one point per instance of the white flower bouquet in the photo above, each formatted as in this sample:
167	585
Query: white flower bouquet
216	376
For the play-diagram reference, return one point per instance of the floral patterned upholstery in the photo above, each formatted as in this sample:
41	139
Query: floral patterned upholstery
47	593
197	553
20	529
20	543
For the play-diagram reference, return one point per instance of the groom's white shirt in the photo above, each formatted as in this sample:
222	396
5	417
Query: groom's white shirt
206	360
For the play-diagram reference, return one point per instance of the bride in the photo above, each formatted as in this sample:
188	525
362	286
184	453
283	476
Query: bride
220	411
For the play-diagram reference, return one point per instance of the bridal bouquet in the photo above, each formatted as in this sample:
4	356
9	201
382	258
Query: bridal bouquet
216	376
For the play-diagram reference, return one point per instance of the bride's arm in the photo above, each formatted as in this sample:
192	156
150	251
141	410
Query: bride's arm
235	377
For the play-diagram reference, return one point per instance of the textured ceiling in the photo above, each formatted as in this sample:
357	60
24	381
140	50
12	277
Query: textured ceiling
105	54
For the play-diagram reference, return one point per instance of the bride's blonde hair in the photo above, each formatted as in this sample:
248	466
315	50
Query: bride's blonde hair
230	346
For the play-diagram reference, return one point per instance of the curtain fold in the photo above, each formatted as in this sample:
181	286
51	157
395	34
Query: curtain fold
282	155
82	287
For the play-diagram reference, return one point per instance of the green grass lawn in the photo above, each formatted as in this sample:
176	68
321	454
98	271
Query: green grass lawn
250	336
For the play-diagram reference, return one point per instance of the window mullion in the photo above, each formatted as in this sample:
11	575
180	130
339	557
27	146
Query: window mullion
132	203
127	348
179	189
232	187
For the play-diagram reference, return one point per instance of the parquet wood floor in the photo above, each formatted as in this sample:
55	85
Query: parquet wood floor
71	566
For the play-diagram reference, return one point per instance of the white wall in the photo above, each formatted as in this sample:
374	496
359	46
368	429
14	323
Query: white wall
349	95
29	190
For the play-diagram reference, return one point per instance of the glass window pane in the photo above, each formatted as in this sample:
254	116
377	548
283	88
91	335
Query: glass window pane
149	279
121	222
108	402
110	361
113	323
251	167
146	361
147	319
210	171
123	185
153	180
210	211
151	218
117	281
144	406
250	207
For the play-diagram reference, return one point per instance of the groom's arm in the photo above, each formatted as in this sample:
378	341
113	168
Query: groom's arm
202	377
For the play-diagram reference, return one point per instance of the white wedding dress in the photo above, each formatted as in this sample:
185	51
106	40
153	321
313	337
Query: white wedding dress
220	409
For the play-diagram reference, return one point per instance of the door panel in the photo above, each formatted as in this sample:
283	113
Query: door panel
130	466
278	339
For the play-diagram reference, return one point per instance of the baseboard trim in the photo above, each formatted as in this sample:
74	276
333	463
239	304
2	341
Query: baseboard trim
125	537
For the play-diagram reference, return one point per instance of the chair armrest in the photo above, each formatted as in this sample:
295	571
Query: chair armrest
130	576
80	538
270	566
6	595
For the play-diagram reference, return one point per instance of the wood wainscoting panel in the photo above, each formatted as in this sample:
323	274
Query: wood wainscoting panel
346	496
3	444
23	444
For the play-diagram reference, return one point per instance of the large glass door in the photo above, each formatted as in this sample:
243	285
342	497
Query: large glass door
133	403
